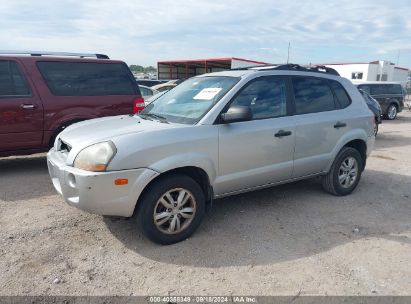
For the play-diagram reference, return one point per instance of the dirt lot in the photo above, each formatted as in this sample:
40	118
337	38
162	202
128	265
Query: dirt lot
289	240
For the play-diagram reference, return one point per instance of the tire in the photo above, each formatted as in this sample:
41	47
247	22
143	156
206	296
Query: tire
331	181
153	203
392	112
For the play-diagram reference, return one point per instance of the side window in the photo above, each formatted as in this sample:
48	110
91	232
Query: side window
266	96
341	94
12	82
143	91
394	89
379	89
87	79
312	95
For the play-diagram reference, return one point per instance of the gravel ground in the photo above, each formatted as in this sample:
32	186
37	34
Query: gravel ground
288	240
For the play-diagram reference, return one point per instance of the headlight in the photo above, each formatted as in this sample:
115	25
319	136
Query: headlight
96	157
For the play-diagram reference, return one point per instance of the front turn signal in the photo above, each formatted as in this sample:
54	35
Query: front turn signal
121	182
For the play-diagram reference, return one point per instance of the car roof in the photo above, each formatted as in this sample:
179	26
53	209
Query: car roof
281	69
262	72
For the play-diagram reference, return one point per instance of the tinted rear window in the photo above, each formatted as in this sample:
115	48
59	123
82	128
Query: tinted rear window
12	82
87	79
381	89
312	95
342	96
394	89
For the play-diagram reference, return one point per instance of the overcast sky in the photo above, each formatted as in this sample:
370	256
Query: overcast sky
142	32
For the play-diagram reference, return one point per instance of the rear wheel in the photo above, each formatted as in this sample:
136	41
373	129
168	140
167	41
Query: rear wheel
392	112
171	210
345	172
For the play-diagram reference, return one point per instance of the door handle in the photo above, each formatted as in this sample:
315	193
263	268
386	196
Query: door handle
340	125
282	133
27	106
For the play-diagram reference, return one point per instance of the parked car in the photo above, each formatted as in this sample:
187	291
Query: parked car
147	92
390	96
154	97
148	82
175	81
164	87
375	107
42	95
212	136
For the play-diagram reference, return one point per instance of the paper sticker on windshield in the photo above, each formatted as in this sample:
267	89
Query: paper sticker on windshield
207	93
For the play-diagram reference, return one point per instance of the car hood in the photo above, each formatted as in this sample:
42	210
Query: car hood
86	133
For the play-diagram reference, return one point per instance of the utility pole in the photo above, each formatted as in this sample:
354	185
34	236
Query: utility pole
398	57
288	53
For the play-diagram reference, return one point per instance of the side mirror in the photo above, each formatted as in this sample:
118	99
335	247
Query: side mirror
237	114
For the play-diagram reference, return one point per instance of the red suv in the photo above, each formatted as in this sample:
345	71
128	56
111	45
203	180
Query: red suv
41	94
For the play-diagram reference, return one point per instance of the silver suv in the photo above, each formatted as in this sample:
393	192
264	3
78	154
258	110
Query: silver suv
212	136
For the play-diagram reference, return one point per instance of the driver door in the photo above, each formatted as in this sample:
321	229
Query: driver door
21	111
260	151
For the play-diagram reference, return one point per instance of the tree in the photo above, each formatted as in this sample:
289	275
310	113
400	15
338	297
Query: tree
150	69
136	68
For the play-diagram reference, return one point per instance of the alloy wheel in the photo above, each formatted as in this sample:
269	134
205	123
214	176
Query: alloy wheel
174	211
348	172
392	112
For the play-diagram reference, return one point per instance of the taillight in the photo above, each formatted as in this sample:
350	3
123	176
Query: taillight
138	104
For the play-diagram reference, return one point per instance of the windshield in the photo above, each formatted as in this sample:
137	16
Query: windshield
188	102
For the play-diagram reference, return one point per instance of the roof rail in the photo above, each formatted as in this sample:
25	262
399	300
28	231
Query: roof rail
253	66
324	69
293	67
297	67
63	54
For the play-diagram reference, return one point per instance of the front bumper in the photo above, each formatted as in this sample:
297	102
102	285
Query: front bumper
96	192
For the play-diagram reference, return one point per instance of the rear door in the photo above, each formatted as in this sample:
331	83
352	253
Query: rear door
320	122
21	111
257	152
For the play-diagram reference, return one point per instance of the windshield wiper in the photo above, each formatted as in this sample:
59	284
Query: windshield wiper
155	116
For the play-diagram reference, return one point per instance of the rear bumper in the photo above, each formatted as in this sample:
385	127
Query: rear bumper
96	192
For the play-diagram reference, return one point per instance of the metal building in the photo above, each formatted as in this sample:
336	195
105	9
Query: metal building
379	70
183	69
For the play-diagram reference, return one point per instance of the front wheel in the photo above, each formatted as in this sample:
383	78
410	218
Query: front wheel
392	112
171	210
345	172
